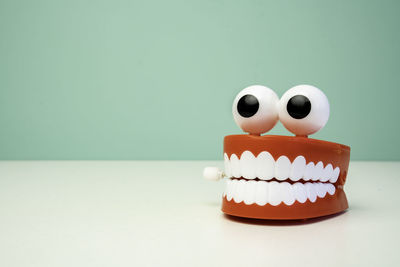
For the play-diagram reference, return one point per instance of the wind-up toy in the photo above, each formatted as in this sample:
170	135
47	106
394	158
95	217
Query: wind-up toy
282	177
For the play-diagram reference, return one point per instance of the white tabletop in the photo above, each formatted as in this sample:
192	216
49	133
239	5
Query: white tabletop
143	213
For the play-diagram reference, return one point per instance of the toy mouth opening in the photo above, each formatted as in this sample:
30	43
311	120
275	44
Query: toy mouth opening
262	180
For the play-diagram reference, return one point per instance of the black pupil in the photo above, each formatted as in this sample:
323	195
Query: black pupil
248	106
298	106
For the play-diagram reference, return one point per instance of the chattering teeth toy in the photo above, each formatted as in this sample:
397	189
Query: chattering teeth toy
282	177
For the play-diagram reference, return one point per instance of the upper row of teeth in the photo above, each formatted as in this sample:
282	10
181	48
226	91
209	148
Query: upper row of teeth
265	167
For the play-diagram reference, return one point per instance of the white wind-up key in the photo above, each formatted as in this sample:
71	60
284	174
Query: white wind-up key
213	173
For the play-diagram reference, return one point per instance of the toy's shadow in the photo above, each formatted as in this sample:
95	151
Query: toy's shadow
281	222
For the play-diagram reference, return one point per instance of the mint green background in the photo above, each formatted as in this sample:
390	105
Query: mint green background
156	79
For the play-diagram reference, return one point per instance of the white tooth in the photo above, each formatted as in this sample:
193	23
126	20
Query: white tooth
309	171
287	193
298	168
274	194
231	189
320	189
227	165
248	165
261	193
311	194
330	188
335	175
265	168
318	171
235	166
282	168
327	173
299	192
324	188
249	193
239	192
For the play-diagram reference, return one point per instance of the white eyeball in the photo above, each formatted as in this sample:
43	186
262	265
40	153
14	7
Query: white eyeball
255	109
304	110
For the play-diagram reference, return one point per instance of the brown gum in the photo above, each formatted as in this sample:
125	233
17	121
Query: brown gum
292	146
321	207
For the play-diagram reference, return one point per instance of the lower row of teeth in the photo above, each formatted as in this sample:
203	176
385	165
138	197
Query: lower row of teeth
274	193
